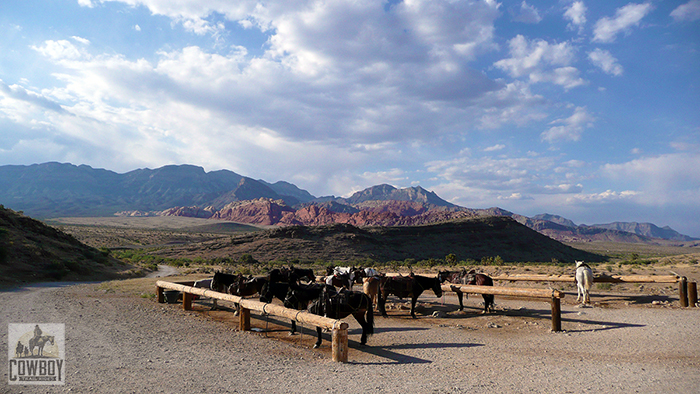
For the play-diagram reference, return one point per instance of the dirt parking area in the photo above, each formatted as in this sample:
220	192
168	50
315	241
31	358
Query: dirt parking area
119	340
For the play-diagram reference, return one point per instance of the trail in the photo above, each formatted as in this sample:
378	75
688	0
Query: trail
163	271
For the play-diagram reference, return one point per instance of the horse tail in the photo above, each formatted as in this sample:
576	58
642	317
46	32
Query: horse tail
587	279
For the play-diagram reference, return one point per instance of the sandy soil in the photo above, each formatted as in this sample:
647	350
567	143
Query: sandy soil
120	342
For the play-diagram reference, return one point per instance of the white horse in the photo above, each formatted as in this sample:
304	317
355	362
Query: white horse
206	284
584	280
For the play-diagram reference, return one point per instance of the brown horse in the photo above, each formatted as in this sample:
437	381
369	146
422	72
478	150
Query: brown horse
246	286
405	286
370	286
469	278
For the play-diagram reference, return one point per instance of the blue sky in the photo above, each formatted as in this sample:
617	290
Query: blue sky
583	109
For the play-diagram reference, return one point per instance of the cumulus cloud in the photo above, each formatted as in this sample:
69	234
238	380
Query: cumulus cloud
527	14
607	29
541	61
59	50
688	12
605	61
569	129
660	174
576	15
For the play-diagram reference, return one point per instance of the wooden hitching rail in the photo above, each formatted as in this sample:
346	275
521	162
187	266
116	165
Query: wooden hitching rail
687	292
339	328
547	295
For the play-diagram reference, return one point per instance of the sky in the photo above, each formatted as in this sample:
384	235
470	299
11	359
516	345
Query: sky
585	109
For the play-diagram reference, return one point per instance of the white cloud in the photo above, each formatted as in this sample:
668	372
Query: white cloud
663	174
576	14
541	61
688	12
605	61
631	15
137	27
528	14
59	50
494	148
569	129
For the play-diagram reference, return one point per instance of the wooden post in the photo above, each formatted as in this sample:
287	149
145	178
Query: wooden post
187	301
556	314
683	291
692	294
339	344
160	295
244	319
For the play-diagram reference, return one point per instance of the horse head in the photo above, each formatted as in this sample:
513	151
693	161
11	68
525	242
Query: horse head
292	300
437	288
266	293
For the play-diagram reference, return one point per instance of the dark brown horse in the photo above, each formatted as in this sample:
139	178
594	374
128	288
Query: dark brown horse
341	305
469	278
406	286
221	281
272	290
247	286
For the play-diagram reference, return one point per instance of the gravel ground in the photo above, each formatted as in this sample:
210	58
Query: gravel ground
122	343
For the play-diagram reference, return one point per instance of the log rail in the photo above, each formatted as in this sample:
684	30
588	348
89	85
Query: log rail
339	328
548	295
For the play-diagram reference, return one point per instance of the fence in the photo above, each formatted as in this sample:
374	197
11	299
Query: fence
548	295
339	329
687	291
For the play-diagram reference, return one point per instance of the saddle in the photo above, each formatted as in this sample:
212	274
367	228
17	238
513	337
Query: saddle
403	283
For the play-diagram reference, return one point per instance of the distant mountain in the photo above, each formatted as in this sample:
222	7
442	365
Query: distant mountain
56	189
555	219
389	193
645	229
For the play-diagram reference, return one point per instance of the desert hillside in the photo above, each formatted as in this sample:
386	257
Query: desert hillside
31	251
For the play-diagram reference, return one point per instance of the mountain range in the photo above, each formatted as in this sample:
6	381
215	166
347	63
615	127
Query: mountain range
61	189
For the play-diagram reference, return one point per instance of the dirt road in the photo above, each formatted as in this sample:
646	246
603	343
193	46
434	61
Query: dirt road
121	343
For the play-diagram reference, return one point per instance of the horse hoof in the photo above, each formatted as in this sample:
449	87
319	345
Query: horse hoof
316	346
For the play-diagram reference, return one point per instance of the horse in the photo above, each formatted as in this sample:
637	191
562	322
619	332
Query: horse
40	342
370	286
291	274
469	278
303	273
19	350
271	290
247	286
350	272
221	281
404	286
299	296
584	280
339	280
204	284
341	305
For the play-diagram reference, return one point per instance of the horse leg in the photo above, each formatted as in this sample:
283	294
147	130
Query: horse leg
413	307
459	297
318	341
360	317
578	292
381	301
488	301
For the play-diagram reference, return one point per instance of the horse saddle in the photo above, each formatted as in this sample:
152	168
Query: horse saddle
403	283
